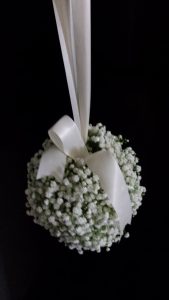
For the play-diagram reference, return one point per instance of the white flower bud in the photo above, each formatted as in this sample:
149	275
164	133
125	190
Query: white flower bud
79	230
88	181
46	202
51	219
77	211
88	172
58	213
39	209
84	190
66	182
59	201
75	178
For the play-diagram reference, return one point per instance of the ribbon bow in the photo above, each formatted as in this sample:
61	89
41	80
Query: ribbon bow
74	29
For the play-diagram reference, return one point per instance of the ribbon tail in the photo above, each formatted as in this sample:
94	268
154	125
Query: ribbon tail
112	181
52	163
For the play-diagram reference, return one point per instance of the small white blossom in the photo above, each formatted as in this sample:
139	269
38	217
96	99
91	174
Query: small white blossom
51	219
56	206
75	178
46	202
84	190
59	201
58	213
77	211
88	181
39	209
66	182
88	172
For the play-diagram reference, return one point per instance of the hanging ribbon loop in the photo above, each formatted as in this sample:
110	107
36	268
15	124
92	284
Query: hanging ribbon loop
73	19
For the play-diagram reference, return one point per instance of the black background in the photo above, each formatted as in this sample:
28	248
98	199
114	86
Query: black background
130	61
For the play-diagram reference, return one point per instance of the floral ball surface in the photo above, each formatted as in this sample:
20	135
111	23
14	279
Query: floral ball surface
77	211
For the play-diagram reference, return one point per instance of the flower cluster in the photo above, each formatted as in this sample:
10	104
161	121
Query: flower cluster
77	211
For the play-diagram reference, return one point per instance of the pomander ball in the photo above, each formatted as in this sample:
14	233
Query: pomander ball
77	210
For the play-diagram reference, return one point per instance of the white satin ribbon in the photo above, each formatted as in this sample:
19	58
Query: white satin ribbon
66	137
74	30
69	137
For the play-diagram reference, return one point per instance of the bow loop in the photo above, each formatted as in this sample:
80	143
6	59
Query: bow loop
66	137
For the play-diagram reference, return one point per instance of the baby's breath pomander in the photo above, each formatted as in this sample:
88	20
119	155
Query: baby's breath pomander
77	211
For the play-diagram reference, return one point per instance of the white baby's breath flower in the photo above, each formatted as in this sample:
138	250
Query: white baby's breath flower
75	178
58	213
46	201
66	182
51	219
77	211
88	172
59	201
39	209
